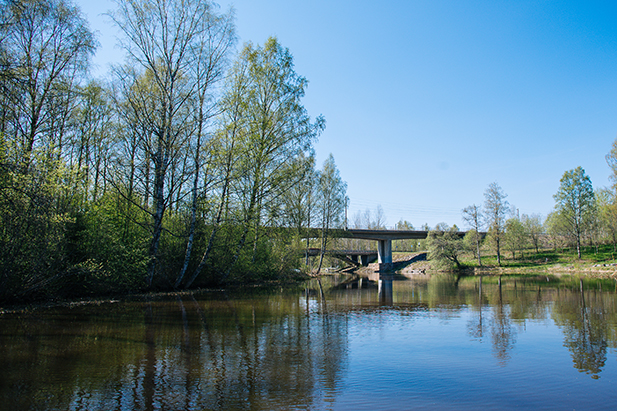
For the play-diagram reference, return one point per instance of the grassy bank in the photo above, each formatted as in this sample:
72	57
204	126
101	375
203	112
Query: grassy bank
598	261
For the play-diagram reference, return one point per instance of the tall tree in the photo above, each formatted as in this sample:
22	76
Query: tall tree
575	202
534	228
607	210
611	160
167	43
555	227
275	128
46	44
472	215
210	60
608	198
496	209
331	202
515	236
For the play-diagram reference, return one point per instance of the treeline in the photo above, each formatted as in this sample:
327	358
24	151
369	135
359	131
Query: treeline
581	216
178	171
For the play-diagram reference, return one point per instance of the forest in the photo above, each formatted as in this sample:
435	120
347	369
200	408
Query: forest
176	171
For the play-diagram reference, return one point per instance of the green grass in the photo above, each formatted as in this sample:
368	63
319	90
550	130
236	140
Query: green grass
604	254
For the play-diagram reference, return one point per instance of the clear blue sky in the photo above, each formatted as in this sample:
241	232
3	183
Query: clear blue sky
428	102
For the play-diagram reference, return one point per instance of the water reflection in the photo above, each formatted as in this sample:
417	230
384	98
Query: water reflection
262	353
585	328
503	335
385	291
476	327
290	349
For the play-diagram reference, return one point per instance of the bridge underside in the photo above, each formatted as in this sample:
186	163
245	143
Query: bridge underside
363	259
383	237
354	257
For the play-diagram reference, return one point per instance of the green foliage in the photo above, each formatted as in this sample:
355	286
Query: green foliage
170	174
575	204
404	245
445	247
33	221
534	229
331	202
611	160
470	242
515	238
496	209
473	216
110	249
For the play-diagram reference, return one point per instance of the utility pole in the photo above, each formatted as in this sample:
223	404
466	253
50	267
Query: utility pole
346	201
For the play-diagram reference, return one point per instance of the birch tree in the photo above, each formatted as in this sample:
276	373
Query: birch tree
332	194
515	237
45	46
473	216
496	209
575	202
275	128
211	52
166	42
534	228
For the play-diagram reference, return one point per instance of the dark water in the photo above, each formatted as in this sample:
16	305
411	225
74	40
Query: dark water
424	344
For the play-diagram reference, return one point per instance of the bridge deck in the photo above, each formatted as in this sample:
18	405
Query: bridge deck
364	234
317	251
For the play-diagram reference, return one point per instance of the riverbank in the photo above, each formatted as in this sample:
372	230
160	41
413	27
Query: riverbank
95	300
594	264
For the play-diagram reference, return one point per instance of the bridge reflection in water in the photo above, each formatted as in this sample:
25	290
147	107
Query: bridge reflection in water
385	290
373	284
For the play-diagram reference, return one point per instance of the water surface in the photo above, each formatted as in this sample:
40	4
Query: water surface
437	343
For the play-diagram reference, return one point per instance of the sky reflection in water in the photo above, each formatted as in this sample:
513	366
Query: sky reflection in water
437	343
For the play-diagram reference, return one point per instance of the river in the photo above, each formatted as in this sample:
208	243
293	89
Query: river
428	343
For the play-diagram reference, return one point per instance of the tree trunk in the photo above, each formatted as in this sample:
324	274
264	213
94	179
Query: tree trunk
189	244
498	254
159	210
478	248
217	222
324	241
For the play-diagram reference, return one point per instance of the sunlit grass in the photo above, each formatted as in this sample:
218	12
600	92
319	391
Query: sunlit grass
590	255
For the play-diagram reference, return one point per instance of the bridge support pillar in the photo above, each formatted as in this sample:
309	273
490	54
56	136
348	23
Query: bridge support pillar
384	254
364	260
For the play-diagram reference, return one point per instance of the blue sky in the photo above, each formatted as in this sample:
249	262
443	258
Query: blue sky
428	102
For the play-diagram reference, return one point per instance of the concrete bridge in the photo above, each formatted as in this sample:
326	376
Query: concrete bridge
383	237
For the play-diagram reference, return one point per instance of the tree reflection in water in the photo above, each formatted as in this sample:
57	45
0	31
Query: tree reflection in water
503	335
585	328
290	349
475	326
256	353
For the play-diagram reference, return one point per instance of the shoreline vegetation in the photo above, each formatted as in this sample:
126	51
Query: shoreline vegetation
193	166
175	172
594	265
